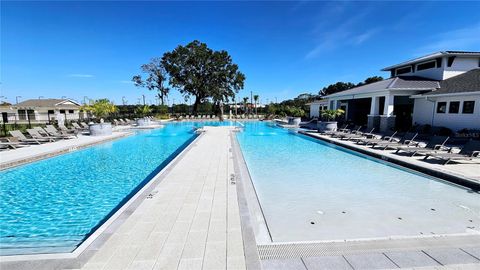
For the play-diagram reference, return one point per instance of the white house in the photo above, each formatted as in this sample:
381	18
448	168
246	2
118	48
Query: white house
416	87
317	106
42	111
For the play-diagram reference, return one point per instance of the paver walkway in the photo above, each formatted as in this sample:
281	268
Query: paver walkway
191	219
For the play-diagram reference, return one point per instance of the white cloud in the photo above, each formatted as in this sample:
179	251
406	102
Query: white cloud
126	82
77	75
467	38
343	34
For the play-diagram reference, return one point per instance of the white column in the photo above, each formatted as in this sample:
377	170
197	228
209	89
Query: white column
388	108
374	106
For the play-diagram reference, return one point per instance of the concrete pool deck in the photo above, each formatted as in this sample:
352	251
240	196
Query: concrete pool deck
198	216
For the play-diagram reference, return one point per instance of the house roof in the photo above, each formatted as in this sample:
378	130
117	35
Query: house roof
48	102
321	101
433	56
396	83
463	83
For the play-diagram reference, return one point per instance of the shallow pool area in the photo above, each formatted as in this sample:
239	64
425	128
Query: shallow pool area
52	205
310	190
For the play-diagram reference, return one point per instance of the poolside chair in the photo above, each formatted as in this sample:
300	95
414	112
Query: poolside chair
85	125
47	134
341	134
387	137
436	143
6	144
78	127
52	131
469	151
116	122
34	134
359	135
66	130
21	138
407	139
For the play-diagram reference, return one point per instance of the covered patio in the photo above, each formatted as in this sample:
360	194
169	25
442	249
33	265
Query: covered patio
383	105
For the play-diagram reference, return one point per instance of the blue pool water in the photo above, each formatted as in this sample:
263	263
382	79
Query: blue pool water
53	205
300	181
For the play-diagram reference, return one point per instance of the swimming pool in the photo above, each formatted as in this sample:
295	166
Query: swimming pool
51	206
314	191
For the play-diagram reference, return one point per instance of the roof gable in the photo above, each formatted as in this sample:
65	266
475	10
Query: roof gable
464	83
48	102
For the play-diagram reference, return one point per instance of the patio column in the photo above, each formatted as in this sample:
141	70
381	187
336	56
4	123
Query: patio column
387	120
373	117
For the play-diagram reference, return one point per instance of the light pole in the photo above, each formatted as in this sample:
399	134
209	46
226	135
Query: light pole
251	100
143	100
16	98
276	102
85	100
124	101
40	97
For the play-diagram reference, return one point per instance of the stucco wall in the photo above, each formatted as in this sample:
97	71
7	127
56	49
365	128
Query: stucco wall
314	110
424	112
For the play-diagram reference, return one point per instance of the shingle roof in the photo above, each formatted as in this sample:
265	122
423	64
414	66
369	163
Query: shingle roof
396	83
48	102
463	83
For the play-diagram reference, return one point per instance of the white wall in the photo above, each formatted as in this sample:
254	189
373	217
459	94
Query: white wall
459	66
424	112
314	110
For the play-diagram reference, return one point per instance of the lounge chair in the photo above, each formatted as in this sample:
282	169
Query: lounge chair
341	134
66	130
85	125
469	151
36	135
388	137
78	127
9	144
47	134
359	135
21	138
407	139
52	131
436	143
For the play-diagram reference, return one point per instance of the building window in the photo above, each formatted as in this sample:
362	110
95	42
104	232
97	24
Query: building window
31	114
22	115
468	106
427	65
70	111
454	107
404	70
62	111
441	107
50	112
450	61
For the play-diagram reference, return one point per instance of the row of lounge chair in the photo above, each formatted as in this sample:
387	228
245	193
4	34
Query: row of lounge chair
227	116
123	122
407	143
39	135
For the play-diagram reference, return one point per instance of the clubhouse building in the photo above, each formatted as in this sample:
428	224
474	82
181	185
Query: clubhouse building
440	89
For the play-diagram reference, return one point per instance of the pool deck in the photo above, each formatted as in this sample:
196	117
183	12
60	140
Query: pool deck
198	215
190	221
32	152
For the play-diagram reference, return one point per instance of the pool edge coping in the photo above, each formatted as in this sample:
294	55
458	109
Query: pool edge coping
98	238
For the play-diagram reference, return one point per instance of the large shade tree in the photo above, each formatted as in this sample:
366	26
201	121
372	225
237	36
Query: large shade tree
156	78
198	71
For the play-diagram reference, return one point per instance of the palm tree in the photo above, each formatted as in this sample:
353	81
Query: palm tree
245	100
255	98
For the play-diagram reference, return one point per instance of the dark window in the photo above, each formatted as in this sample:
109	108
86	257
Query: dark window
441	107
51	112
62	111
468	106
439	62
450	61
31	114
404	70
22	115
454	107
426	65
70	111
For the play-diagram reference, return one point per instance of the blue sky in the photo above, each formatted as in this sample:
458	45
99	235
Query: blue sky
77	49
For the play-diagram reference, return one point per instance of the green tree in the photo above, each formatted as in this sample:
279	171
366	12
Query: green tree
255	98
101	108
143	110
245	100
157	77
370	80
335	88
196	70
